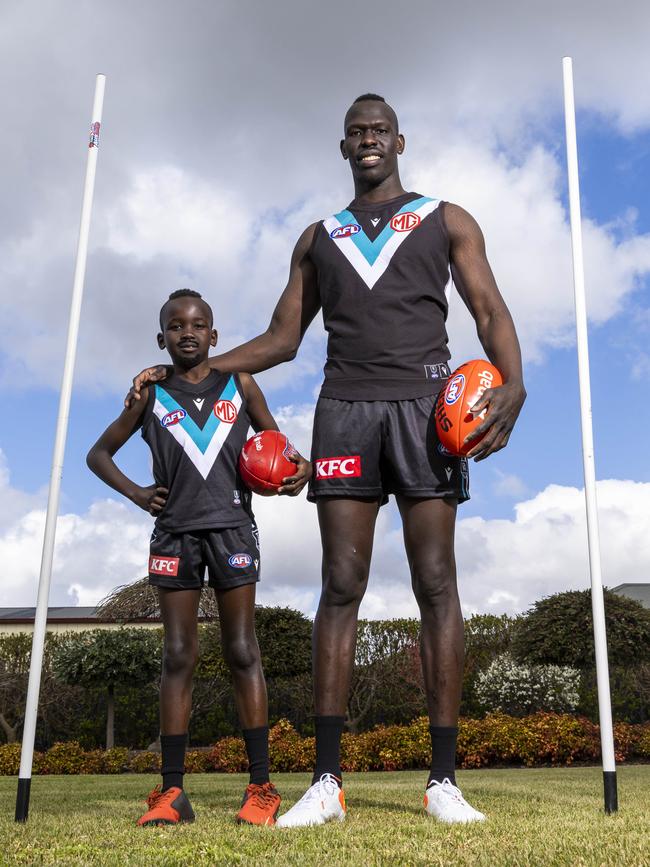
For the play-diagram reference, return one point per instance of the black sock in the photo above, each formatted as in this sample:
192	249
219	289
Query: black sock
172	768
257	750
328	746
443	753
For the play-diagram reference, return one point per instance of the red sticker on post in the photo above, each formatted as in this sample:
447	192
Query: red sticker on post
94	135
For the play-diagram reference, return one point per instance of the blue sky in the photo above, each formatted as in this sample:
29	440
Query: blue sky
209	169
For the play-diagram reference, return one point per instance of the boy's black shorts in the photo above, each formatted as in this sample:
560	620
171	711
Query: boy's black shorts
231	556
379	447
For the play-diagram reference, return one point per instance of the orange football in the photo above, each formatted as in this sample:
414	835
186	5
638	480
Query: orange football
464	387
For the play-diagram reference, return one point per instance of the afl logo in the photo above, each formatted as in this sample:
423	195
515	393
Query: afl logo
344	231
173	417
225	410
454	390
405	222
240	561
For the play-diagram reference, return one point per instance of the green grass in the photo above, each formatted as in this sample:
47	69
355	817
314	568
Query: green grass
541	816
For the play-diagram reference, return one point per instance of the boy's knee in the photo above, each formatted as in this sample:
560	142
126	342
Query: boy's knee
344	582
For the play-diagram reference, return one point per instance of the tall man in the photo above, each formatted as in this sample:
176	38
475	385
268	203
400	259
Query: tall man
380	271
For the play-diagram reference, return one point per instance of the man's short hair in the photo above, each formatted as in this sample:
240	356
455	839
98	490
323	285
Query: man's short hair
375	97
366	96
184	293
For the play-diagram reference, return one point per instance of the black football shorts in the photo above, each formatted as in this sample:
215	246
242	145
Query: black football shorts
379	447
179	561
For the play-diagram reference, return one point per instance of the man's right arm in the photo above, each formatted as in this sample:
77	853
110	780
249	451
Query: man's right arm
298	305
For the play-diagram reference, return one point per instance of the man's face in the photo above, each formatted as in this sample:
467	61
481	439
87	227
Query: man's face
371	142
187	331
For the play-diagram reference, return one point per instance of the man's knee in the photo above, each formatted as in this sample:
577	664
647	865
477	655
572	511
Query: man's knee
344	581
180	655
434	583
241	654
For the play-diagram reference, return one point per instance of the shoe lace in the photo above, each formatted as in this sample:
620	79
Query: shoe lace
326	785
261	795
453	791
155	797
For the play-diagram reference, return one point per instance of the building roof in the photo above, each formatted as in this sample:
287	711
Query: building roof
62	614
638	591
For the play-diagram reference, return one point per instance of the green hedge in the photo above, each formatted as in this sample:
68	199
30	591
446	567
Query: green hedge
539	739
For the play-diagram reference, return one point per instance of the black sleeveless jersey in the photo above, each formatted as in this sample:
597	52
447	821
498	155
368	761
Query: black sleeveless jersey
384	278
195	433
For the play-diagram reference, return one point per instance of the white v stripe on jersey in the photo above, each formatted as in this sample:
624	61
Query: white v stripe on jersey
371	273
203	461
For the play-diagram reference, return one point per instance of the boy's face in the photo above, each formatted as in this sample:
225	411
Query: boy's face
187	331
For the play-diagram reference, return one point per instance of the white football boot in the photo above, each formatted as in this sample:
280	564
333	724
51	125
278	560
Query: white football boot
445	802
322	802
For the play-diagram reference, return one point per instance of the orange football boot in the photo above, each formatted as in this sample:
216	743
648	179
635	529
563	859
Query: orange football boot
260	805
170	807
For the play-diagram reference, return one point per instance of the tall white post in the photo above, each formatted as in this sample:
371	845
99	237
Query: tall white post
40	620
597	604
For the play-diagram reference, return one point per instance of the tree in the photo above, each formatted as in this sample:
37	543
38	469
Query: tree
386	681
105	658
558	630
487	636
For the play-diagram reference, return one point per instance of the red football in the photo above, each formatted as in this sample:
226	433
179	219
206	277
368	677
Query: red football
465	386
264	462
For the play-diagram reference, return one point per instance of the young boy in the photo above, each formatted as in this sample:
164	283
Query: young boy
195	427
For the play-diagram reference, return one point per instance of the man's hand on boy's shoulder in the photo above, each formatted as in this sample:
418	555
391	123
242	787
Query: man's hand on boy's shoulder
151	498
293	485
149	374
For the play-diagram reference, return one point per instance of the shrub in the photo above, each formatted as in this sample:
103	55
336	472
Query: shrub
145	762
228	756
288	751
197	762
9	759
62	758
116	760
518	689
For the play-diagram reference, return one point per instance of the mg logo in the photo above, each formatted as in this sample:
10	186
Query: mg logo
225	410
405	222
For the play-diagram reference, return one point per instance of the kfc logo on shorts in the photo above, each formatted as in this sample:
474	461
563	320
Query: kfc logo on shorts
339	468
164	566
405	222
226	411
240	561
344	231
173	417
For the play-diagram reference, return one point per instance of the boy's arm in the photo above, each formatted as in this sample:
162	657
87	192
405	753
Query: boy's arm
100	460
294	312
261	419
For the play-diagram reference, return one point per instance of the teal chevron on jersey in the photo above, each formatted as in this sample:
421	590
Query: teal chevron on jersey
371	249
202	437
370	259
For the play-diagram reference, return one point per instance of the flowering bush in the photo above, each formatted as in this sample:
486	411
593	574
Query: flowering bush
519	689
145	762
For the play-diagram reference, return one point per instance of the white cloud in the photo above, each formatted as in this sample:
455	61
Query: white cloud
210	186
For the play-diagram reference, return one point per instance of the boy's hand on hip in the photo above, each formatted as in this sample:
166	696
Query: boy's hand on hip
149	374
152	498
293	485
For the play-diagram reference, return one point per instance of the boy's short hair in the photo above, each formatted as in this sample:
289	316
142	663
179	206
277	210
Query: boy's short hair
184	293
